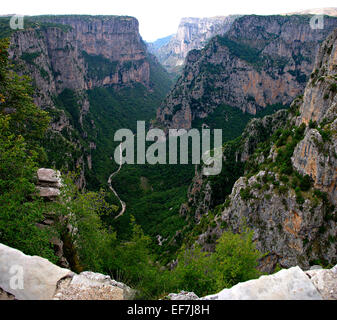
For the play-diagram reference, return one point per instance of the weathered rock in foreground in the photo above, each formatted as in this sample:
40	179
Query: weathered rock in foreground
183	295
287	284
325	281
92	286
40	277
42	280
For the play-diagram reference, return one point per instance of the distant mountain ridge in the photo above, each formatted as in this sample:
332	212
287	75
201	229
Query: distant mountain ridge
157	44
261	61
192	33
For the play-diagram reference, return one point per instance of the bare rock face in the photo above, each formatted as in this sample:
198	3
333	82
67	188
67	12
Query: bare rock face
316	154
49	183
260	61
292	233
201	195
295	224
24	277
66	54
193	33
73	54
320	166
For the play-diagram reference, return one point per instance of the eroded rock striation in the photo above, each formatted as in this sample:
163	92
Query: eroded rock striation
316	154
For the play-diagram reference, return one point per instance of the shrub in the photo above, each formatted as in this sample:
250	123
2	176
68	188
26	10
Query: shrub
245	194
333	87
312	124
235	260
305	183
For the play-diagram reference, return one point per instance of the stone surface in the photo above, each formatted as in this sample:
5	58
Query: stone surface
315	155
183	295
88	286
40	277
43	280
48	175
287	284
5	295
49	193
325	281
49	183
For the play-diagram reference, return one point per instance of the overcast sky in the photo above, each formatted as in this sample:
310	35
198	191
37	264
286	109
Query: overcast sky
158	18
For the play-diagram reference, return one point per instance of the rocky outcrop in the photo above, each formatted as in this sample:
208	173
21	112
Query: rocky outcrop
85	51
37	278
202	194
291	233
49	183
193	33
325	282
182	295
287	190
316	154
260	61
25	277
287	284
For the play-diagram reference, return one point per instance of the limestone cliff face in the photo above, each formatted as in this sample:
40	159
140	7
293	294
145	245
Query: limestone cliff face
88	51
202	194
193	33
316	154
78	53
287	190
260	61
